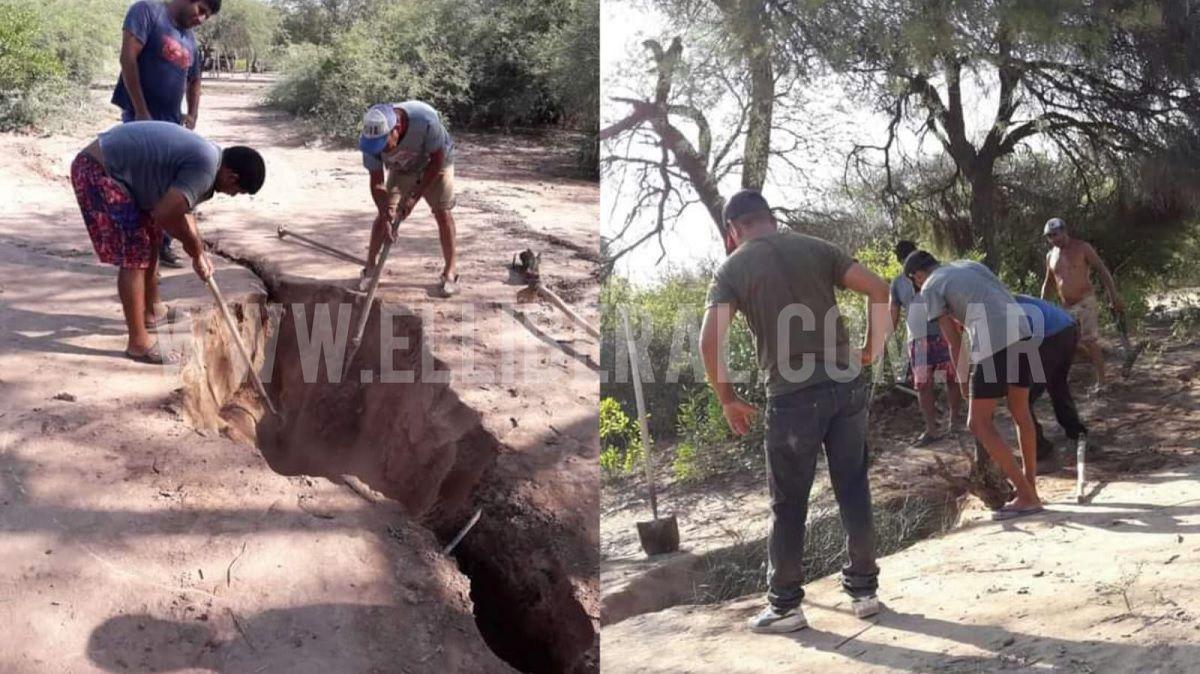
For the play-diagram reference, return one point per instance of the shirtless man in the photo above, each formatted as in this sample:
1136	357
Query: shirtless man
1069	265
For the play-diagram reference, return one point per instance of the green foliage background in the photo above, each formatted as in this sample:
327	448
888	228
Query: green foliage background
502	64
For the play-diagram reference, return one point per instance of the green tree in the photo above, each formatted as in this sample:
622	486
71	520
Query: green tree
243	29
1093	81
24	55
319	21
572	68
671	147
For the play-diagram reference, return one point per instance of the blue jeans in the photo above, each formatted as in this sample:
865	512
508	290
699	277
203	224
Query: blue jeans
799	424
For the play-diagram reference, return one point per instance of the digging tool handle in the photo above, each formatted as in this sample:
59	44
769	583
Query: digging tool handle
361	325
1080	467
647	448
237	339
562	306
284	231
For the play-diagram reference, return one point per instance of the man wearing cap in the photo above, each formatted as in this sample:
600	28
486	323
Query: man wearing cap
928	353
1069	266
783	283
139	179
1003	359
1059	337
159	64
410	141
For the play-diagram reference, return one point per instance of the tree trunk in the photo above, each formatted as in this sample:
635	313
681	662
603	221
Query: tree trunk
746	20
983	214
758	128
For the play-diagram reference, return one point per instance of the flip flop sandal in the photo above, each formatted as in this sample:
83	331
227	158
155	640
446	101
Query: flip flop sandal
449	287
171	316
153	356
1007	513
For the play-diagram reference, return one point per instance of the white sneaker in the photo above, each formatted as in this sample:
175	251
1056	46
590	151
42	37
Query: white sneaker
771	621
865	607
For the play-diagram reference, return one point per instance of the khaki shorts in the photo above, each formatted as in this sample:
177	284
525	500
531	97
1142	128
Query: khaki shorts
1086	313
439	195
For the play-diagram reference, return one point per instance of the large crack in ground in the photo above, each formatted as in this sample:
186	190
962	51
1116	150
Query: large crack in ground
416	443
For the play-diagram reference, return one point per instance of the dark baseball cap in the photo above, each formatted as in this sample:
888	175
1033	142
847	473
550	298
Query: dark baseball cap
917	261
745	202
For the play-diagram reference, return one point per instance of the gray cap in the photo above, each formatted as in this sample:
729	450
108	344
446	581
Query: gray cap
745	202
1054	225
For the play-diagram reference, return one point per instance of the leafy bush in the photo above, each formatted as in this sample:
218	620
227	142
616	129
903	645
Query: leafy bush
49	53
705	449
487	64
666	319
298	91
24	55
620	440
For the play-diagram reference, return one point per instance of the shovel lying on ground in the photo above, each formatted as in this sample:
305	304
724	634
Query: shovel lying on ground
283	231
527	263
1129	352
237	339
372	283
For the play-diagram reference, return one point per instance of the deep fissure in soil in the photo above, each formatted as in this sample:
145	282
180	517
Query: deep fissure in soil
416	443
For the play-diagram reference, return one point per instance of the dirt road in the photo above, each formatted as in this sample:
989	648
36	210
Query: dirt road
1105	586
135	543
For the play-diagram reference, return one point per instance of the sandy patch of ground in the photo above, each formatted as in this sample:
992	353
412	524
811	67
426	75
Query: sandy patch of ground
137	544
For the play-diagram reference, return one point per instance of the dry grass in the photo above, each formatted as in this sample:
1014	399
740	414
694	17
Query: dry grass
741	568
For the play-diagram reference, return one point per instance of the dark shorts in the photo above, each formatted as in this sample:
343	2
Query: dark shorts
122	234
991	377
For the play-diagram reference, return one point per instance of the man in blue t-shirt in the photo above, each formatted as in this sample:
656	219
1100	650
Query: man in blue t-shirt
159	65
1059	335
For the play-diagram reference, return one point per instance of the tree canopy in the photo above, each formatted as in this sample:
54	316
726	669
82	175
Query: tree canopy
963	89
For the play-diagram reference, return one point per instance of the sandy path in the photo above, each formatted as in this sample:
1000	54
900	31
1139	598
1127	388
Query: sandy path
1039	595
1045	594
121	523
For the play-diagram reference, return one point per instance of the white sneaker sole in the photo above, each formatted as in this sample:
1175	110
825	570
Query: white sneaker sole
866	609
780	627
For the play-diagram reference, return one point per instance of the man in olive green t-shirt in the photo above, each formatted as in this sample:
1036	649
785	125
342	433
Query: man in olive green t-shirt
783	283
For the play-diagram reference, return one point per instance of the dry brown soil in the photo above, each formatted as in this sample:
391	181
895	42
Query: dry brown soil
1104	586
143	533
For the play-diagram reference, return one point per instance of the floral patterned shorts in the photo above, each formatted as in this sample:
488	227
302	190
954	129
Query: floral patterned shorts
122	234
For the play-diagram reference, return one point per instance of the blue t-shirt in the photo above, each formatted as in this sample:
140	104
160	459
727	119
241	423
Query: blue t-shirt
425	135
1053	320
149	158
168	61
